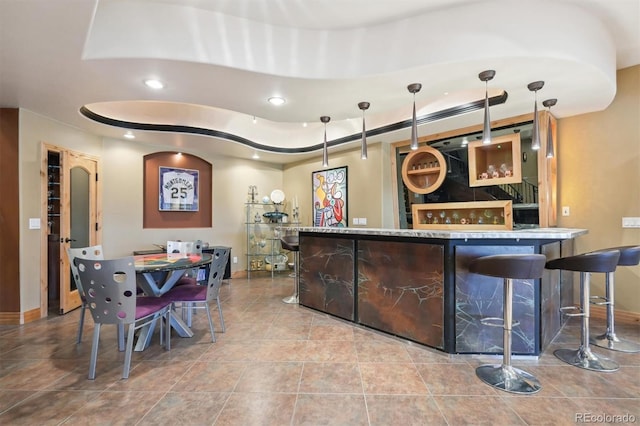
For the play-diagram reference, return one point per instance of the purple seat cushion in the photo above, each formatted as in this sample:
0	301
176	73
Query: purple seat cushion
187	293
148	305
187	281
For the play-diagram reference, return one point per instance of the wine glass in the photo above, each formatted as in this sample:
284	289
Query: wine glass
472	216
455	217
429	216
443	214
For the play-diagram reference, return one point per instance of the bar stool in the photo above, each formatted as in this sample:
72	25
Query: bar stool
509	267
629	256
291	243
602	261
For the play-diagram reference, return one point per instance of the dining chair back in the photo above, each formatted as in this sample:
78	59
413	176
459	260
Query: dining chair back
110	289
94	253
186	248
197	296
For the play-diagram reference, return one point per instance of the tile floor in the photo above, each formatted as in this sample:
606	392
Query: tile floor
280	364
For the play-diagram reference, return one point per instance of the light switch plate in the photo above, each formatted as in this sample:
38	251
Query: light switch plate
631	222
34	223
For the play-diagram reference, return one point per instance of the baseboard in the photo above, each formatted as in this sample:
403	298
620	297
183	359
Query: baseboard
239	274
17	318
31	315
600	312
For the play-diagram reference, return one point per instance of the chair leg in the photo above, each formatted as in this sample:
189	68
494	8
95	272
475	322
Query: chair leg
294	298
211	329
583	357
120	333
94	351
167	330
83	309
224	329
127	355
506	377
609	339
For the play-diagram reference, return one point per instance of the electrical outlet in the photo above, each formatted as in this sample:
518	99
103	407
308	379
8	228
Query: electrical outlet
356	221
363	221
235	259
566	211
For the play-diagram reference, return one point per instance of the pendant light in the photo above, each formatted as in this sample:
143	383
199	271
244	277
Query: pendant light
414	88
548	104
535	134
363	148
325	152
486	131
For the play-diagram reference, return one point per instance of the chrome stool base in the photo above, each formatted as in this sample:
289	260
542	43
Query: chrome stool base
508	378
291	299
614	343
586	359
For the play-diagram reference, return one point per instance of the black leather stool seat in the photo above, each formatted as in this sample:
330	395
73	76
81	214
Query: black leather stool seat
290	242
515	266
597	261
629	255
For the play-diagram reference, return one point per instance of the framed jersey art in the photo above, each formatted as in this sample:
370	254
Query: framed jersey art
178	189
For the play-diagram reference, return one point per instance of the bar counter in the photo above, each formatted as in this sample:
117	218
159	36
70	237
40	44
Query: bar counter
415	284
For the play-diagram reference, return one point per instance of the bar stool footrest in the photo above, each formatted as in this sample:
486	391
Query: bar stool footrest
565	309
508	379
586	359
496	322
614	343
605	301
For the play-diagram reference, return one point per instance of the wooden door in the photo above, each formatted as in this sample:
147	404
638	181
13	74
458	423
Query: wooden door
71	202
79	214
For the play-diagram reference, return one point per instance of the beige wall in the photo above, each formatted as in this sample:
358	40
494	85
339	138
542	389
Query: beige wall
122	201
365	184
599	179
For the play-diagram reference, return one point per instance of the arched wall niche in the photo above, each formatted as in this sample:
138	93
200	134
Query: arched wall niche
153	216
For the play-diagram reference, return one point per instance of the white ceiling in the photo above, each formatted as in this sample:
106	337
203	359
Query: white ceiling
221	60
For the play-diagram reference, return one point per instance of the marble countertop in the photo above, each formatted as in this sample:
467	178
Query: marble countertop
520	234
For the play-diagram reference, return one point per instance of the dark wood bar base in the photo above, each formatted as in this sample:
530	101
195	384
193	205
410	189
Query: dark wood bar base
420	289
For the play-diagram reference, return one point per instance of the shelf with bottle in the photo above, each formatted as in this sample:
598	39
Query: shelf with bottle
495	163
424	170
472	215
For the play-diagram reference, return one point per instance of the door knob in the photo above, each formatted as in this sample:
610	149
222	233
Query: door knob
67	240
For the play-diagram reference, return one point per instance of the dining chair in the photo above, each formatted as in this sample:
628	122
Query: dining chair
110	288
186	247
198	296
93	253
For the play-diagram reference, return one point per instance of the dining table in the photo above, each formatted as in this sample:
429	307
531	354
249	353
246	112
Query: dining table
156	274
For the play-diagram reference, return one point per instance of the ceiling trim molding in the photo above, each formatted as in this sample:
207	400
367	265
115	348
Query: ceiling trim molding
173	128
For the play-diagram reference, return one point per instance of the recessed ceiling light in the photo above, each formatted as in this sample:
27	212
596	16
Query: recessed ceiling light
154	84
276	100
255	156
129	135
304	124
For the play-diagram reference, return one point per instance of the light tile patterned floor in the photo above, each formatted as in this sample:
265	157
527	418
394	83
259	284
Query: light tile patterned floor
279	364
